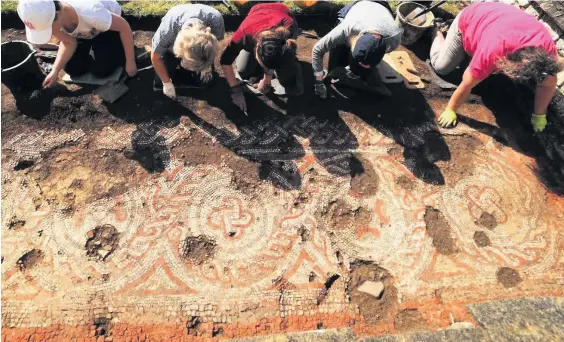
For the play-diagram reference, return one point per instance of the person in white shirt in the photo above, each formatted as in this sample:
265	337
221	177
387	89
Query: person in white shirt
93	36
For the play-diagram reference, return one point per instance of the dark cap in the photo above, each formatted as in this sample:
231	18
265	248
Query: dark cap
369	50
273	52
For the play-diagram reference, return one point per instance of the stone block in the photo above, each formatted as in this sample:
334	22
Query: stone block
555	10
523	3
560	46
509	2
372	288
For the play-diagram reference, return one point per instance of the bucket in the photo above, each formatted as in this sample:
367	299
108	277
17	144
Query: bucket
20	70
411	31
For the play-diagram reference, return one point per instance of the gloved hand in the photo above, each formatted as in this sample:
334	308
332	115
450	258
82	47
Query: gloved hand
320	89
263	87
538	122
238	97
206	75
168	90
447	118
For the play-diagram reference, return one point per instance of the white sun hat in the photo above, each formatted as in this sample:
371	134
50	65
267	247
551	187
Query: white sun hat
38	16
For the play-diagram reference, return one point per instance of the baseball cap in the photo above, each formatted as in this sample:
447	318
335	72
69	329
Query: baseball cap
273	52
368	51
38	16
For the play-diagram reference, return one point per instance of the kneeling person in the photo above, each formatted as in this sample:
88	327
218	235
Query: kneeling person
187	37
264	40
84	28
500	39
366	32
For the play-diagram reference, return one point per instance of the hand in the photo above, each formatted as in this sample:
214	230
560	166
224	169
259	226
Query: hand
51	79
447	118
263	86
538	122
238	97
206	75
131	68
168	90
320	89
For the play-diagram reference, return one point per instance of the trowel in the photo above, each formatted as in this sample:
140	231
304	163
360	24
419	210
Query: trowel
111	91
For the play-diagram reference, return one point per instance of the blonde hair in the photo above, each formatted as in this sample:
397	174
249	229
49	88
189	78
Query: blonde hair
196	46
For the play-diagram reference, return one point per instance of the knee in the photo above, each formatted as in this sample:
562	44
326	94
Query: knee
442	68
76	69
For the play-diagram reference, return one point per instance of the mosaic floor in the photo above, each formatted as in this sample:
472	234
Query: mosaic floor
186	245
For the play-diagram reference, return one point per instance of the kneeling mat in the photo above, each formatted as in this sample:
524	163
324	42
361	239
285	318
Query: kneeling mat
88	78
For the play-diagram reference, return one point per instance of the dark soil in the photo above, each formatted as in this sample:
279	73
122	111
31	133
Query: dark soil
364	180
342	216
487	220
481	239
30	259
461	163
102	242
16	223
440	232
409	320
508	277
374	310
199	149
304	233
23	164
395	151
327	287
198	249
405	182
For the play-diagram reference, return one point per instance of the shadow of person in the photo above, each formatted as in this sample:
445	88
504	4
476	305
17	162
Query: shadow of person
512	105
37	103
151	112
262	136
330	139
149	146
406	118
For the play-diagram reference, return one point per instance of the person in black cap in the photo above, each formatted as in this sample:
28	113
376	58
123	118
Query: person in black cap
365	33
266	38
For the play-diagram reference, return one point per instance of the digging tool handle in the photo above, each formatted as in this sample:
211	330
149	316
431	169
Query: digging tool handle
428	10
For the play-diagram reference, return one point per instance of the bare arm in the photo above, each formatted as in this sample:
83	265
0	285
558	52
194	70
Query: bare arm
160	68
543	95
463	91
229	74
67	47
120	25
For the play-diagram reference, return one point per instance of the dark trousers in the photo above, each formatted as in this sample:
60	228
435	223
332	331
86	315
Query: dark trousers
289	75
108	55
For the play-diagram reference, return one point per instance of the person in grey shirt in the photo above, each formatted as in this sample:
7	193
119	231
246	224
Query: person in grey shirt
187	36
365	33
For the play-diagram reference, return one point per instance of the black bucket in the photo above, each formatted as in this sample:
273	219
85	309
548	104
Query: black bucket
20	70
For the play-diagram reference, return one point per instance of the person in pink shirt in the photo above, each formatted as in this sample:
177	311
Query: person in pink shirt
499	38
